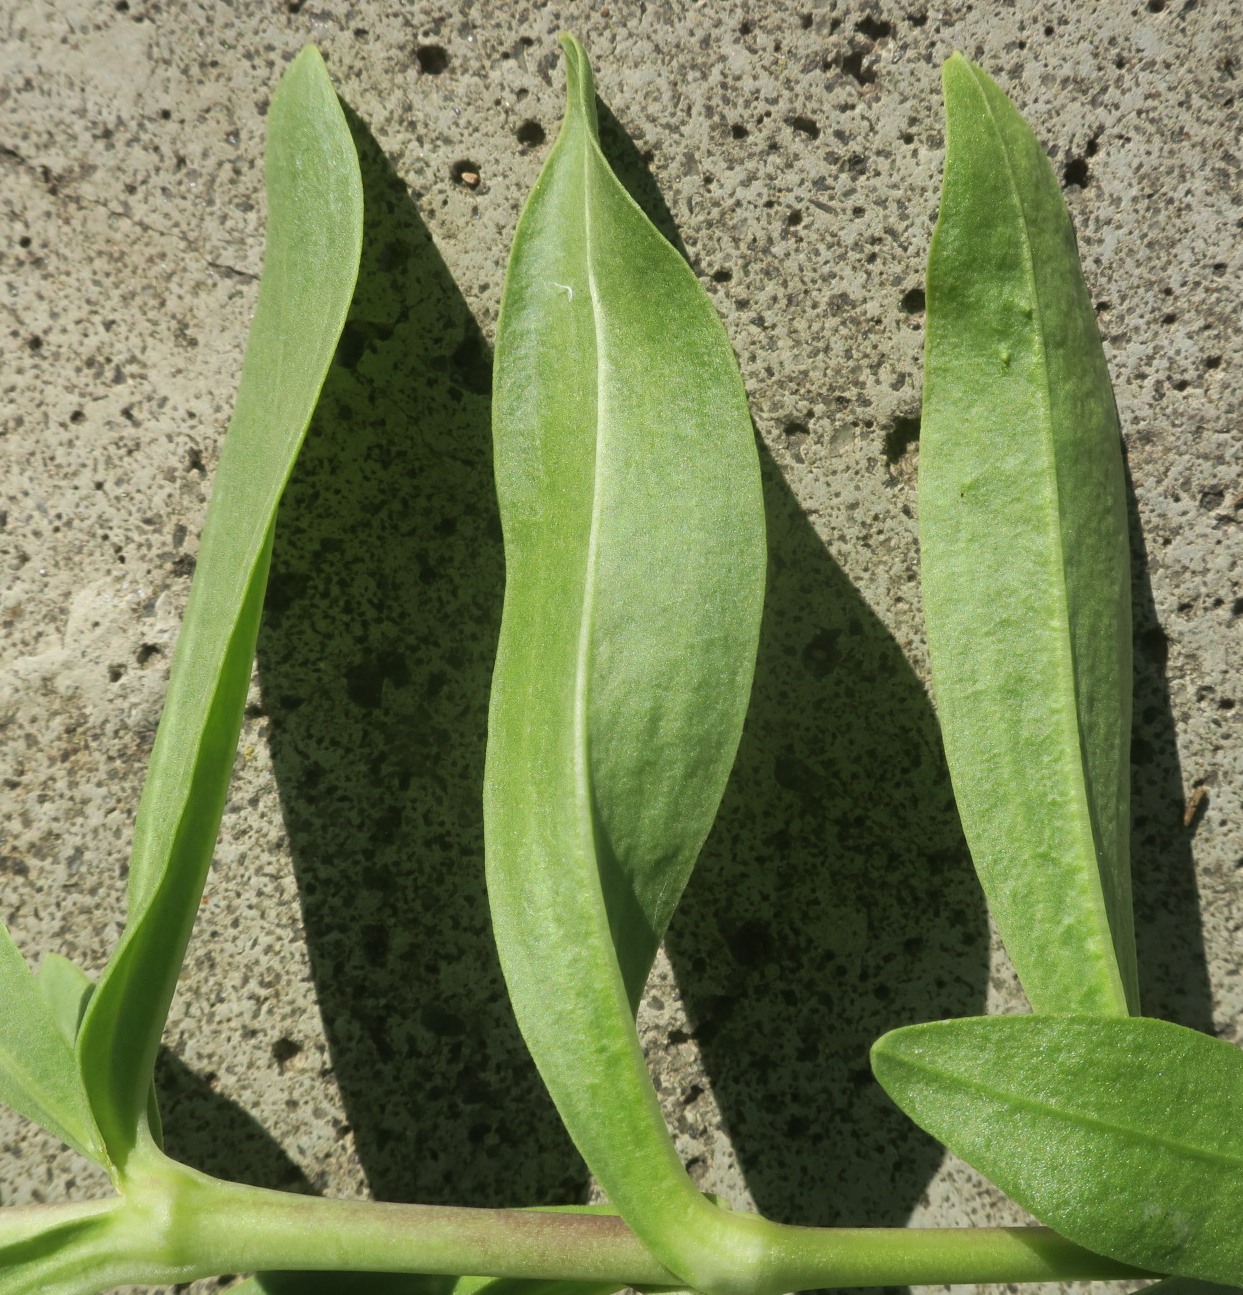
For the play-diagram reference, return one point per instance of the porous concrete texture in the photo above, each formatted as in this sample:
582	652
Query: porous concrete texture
341	1025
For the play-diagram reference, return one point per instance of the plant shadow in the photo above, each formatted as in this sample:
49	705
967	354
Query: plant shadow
1173	968
375	658
205	1129
835	900
835	897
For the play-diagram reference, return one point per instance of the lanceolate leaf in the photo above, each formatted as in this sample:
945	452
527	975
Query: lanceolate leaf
38	1075
634	543
1025	560
1122	1134
310	266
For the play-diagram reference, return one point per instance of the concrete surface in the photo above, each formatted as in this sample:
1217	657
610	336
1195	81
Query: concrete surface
341	992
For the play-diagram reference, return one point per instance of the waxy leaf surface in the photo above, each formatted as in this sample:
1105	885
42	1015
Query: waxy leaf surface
1122	1134
1025	569
630	502
310	266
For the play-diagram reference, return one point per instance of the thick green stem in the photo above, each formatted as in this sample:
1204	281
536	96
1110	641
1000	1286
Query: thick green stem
804	1258
215	1227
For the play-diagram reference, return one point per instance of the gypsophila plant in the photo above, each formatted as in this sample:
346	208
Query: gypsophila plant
629	492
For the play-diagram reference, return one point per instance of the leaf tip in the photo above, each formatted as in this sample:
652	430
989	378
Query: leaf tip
580	86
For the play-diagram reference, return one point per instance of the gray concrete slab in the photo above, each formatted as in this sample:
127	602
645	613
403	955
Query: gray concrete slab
340	992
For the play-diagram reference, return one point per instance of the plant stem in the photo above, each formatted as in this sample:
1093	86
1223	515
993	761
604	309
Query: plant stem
217	1227
818	1257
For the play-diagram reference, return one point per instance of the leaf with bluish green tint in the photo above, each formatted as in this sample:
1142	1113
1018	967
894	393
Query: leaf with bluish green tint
38	1074
1122	1134
630	502
310	266
1025	568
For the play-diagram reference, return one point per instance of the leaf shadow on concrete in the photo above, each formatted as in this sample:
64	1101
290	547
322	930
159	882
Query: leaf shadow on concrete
835	898
1173	969
834	901
205	1129
375	658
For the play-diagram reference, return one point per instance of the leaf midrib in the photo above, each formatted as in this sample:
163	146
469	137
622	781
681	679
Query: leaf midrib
1029	1103
582	667
1067	659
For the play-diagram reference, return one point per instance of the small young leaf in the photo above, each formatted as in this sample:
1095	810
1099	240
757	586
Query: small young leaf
310	266
1025	562
66	989
630	502
38	1075
1122	1134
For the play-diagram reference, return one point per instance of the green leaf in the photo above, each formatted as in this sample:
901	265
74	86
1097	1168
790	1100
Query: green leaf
59	1250
1022	515
1122	1134
66	989
630	502
310	266
38	1075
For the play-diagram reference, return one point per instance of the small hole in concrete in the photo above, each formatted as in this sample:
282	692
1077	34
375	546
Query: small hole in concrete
1048	29
77	416
1075	173
745	28
465	172
1169	318
1213	362
284	1051
901	436
432	59
739	131
854	65
114	673
804	126
1156	6
722	276
913	301
35	343
24	241
1219	267
146	652
794	218
531	134
873	28
1181	385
